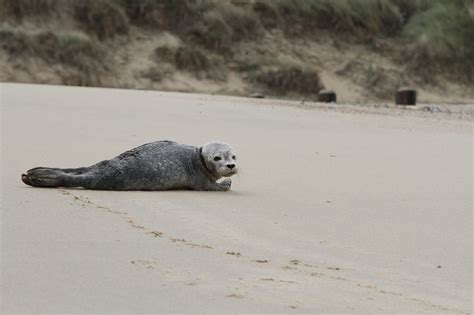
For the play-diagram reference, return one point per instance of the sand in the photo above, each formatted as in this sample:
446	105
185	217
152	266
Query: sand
336	209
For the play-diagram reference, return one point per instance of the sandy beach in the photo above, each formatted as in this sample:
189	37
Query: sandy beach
336	209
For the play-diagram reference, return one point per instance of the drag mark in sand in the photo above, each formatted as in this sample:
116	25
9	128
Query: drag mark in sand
293	265
300	267
147	263
155	233
236	254
171	276
189	243
85	202
279	281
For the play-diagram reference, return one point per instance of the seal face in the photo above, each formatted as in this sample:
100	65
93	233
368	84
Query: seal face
220	159
159	165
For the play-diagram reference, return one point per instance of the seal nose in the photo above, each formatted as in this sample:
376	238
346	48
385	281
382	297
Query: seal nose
231	166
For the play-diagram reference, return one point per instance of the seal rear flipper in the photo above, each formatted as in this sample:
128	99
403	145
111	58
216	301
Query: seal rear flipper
49	177
42	177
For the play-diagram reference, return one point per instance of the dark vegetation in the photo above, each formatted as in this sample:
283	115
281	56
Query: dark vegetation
21	9
104	19
289	78
441	39
430	37
193	59
86	57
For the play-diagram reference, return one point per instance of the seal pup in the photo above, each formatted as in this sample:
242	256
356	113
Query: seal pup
160	165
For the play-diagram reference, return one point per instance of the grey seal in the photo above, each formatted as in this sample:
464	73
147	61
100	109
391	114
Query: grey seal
160	165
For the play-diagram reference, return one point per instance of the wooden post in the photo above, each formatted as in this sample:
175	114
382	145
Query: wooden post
327	96
405	96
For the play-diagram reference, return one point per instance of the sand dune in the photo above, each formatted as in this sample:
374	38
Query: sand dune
336	209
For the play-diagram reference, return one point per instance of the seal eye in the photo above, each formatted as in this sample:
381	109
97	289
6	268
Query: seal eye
234	157
217	158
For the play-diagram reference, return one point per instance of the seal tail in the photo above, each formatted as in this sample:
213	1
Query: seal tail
53	177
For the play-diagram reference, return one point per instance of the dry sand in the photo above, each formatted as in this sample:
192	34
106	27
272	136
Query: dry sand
336	209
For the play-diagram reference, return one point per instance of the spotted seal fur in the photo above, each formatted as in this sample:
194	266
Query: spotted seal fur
160	165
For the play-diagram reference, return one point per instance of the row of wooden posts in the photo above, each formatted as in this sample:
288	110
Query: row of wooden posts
403	96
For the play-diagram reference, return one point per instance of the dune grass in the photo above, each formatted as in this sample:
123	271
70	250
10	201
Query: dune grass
359	18
291	79
431	36
20	9
215	25
441	40
192	59
284	77
167	14
71	50
219	25
436	36
103	18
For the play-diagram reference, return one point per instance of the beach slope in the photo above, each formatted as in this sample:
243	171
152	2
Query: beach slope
335	209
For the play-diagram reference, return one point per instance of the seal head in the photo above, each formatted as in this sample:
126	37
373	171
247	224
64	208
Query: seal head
220	159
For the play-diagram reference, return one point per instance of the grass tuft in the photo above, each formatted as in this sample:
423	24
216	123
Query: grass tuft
75	51
103	18
144	12
166	14
409	8
193	59
287	79
158	73
440	40
243	22
223	25
267	13
362	18
20	9
212	32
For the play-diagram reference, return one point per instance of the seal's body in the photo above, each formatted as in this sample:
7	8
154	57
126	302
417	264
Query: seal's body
160	165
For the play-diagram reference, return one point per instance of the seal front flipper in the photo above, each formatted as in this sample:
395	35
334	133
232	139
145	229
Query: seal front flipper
225	185
214	186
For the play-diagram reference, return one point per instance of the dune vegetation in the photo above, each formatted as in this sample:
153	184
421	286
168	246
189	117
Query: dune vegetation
276	47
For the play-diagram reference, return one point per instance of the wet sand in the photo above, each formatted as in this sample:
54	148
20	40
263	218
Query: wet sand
336	209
